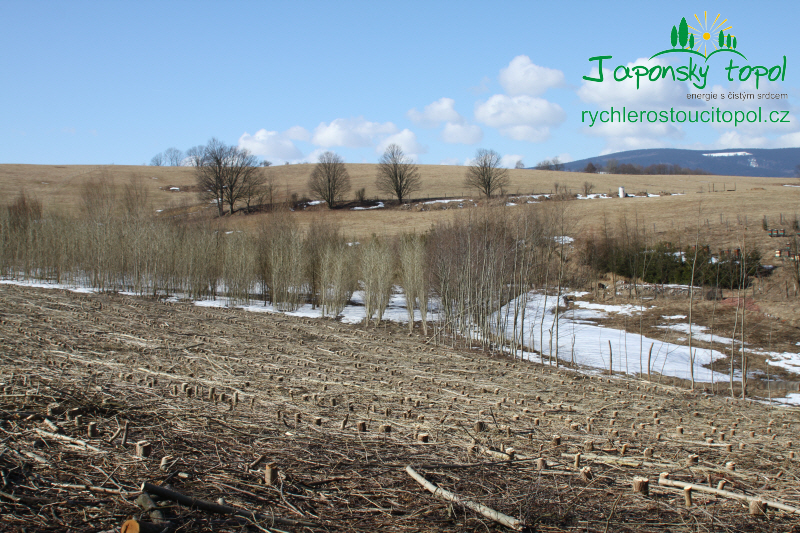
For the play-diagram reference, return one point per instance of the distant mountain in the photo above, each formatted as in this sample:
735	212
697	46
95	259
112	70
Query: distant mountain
776	162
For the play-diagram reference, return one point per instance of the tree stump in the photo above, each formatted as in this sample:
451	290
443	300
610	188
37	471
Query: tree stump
687	496
692	460
361	426
541	463
757	508
271	474
588	446
91	430
143	448
641	485
422	437
586	473
556	440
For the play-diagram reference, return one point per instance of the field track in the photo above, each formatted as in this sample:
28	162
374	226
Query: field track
214	390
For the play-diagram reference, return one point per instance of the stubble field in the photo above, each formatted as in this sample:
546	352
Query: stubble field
214	395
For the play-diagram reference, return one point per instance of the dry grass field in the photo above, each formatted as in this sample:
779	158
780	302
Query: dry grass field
106	396
722	215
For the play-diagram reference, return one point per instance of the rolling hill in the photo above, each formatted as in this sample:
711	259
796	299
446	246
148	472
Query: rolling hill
756	162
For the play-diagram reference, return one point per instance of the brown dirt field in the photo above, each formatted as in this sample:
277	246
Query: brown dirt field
114	359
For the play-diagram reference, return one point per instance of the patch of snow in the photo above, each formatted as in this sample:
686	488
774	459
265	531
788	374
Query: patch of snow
316	202
174	188
353	243
510	204
793	398
588	343
673	317
791	185
442	201
379	206
563	239
651	195
727	154
697	333
607	308
594	196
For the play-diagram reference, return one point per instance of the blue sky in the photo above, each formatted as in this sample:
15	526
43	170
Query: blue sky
117	82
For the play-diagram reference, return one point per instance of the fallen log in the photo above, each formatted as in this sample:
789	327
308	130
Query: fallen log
664	481
210	507
442	494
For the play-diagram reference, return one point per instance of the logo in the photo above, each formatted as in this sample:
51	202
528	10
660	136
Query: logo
704	41
704	37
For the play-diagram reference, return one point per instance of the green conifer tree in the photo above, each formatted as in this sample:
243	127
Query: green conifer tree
734	43
691	41
673	38
683	33
728	39
721	39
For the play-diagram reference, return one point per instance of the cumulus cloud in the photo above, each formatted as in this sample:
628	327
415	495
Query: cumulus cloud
456	129
298	133
521	76
271	144
407	140
462	133
352	133
610	92
510	160
442	110
522	117
621	136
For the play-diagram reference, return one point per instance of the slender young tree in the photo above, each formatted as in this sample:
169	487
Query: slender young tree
397	174
329	180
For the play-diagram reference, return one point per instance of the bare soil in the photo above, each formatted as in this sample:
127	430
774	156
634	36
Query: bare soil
215	389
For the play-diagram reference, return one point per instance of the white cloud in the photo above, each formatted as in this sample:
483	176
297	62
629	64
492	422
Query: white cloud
609	92
297	133
407	140
460	133
510	160
352	133
522	117
454	161
442	110
270	144
521	76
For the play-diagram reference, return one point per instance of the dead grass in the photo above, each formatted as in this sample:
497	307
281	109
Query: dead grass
721	215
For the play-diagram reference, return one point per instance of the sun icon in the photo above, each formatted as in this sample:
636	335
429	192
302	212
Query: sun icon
704	34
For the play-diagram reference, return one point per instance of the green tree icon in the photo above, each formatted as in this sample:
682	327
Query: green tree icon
683	33
721	39
691	41
734	43
728	40
674	37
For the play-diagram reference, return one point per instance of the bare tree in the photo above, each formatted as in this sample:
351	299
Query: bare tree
519	164
254	190
266	163
397	174
173	157
157	160
485	173
194	155
545	164
587	187
225	174
329	180
557	164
